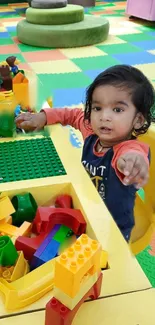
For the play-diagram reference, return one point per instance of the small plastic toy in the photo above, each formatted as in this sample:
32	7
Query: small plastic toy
79	265
46	218
8	253
13	64
25	208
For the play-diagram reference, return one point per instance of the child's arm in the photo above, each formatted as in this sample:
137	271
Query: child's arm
131	163
73	117
65	116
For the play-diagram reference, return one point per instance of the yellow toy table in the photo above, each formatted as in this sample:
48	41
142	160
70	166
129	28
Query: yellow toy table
124	275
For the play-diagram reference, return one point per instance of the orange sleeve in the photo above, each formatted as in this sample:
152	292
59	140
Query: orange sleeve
129	146
65	116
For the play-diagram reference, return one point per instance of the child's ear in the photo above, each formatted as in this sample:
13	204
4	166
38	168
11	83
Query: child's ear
138	121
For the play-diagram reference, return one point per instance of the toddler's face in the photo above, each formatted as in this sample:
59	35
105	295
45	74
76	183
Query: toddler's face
113	115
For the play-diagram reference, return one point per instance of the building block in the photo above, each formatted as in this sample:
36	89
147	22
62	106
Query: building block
6	78
27	290
87	283
8	252
29	159
46	219
61	234
59	314
36	257
6	220
64	201
50	251
21	89
81	258
29	245
25	208
104	260
11	230
17	271
6	207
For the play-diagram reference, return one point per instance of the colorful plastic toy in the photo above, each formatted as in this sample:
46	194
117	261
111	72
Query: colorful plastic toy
50	246
79	265
46	218
8	253
25	208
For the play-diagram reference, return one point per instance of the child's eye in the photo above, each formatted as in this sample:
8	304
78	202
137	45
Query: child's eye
96	108
118	110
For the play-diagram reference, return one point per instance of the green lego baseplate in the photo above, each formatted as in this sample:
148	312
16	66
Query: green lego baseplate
147	263
29	159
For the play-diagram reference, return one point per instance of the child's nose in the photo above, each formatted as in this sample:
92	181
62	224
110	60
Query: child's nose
105	115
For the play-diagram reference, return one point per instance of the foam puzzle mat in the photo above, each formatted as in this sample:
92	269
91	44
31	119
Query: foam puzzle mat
65	73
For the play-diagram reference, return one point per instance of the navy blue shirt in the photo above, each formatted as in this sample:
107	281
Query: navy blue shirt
118	198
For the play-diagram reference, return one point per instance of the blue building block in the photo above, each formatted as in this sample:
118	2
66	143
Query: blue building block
36	257
49	252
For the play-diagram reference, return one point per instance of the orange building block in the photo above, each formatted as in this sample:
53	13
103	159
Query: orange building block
21	89
10	230
70	267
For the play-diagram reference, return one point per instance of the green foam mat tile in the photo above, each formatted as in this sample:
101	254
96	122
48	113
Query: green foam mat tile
147	263
136	37
29	159
57	81
122	48
17	55
100	62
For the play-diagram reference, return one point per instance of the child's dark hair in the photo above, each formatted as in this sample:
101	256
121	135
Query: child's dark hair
126	77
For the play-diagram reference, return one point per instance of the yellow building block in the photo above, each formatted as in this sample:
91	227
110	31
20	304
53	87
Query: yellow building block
89	281
6	207
28	289
81	258
17	271
104	260
11	230
21	89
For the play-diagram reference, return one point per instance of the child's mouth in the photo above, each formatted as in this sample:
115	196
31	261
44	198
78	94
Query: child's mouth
105	130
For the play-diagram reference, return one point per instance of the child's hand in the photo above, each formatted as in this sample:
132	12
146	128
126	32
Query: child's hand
31	122
135	169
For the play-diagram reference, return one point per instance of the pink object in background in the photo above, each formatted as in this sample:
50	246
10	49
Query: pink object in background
141	8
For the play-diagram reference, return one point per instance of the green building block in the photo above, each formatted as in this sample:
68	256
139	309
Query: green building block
8	252
25	208
7	125
29	159
61	234
147	263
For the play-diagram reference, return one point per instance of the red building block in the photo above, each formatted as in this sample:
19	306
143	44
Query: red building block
63	201
29	245
46	218
58	314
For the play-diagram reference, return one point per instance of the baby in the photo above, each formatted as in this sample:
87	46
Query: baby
117	111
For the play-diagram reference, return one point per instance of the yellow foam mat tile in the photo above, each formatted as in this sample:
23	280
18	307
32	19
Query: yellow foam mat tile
53	67
152	51
11	23
82	52
115	30
2	29
148	69
112	40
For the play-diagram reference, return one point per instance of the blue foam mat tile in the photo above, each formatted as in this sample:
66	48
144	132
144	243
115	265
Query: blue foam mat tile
93	73
68	97
135	58
4	35
145	45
